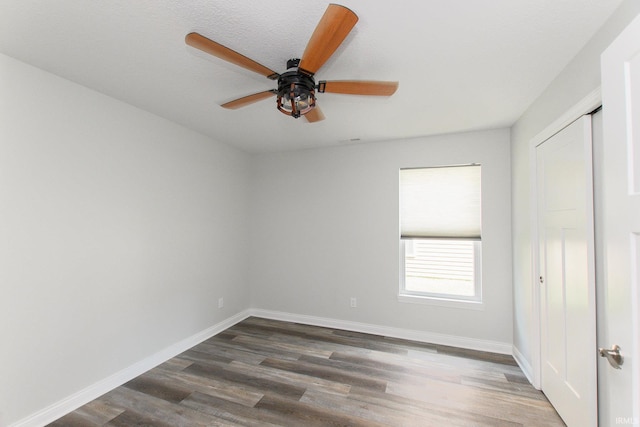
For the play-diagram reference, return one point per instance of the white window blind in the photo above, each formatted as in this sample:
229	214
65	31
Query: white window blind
440	202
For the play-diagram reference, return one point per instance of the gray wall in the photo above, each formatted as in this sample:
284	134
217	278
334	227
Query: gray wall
119	232
325	228
576	81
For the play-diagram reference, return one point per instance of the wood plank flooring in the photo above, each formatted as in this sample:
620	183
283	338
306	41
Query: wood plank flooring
270	373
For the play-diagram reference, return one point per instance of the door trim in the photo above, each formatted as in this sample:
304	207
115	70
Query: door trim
585	106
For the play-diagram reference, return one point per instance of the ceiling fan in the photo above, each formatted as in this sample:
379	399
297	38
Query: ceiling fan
296	92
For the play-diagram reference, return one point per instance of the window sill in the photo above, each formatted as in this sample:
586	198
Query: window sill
442	302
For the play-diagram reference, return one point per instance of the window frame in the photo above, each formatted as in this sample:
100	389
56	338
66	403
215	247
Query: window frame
442	299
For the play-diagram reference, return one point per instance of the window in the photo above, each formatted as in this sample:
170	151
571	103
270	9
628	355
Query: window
440	233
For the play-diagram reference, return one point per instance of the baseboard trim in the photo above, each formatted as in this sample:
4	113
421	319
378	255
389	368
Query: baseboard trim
86	395
524	364
409	334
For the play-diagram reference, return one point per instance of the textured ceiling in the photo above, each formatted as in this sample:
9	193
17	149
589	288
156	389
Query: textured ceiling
462	64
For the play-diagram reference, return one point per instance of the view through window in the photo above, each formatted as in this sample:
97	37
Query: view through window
444	267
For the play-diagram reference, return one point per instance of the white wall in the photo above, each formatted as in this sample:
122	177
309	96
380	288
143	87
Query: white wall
119	231
577	80
324	228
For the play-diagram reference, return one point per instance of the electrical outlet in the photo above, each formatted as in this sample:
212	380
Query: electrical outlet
220	302
354	302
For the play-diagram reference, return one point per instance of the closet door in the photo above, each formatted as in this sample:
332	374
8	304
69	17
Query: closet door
567	273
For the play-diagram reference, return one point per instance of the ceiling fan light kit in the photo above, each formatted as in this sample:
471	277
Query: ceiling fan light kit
296	93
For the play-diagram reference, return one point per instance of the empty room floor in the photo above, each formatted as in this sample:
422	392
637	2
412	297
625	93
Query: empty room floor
270	373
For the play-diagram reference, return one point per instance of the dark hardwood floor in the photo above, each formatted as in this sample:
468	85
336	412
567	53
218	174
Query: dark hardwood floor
270	373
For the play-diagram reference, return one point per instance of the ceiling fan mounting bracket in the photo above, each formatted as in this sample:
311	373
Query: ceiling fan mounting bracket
293	63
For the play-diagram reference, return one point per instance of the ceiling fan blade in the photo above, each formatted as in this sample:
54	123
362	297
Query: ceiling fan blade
314	115
216	49
358	87
249	99
334	26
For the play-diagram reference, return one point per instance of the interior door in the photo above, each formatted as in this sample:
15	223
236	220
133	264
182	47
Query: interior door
619	392
567	273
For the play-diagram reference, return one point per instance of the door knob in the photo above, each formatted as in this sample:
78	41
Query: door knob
613	356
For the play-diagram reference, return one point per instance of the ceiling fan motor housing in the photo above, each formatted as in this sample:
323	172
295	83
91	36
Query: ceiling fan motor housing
296	91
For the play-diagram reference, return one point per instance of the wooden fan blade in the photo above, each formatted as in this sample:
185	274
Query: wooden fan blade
334	26
216	49
314	115
358	87
249	99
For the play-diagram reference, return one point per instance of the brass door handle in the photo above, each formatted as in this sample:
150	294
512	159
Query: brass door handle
613	356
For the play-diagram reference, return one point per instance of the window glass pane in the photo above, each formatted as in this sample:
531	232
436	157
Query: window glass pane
435	266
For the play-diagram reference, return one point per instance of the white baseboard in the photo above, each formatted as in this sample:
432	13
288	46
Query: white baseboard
409	334
524	364
86	395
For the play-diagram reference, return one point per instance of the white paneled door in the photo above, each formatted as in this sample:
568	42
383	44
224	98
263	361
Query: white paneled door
619	392
567	273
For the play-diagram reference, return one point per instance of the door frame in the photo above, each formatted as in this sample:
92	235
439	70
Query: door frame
585	106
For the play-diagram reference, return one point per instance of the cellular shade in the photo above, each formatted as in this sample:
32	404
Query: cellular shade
440	202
